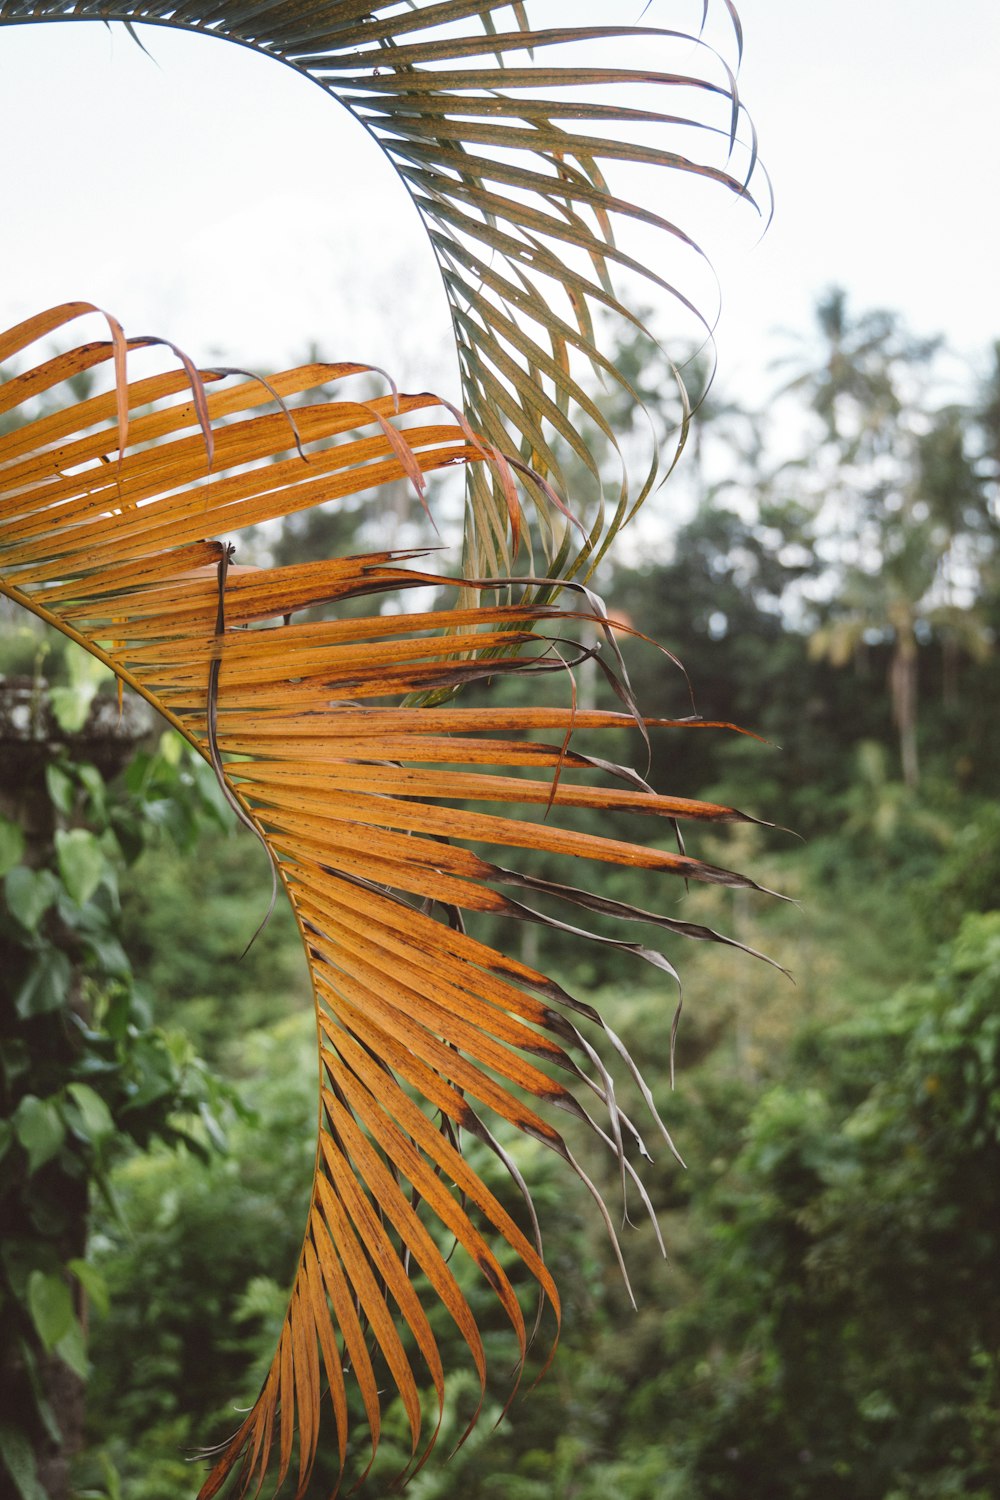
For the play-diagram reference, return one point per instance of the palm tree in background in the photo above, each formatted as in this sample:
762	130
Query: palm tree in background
382	803
911	504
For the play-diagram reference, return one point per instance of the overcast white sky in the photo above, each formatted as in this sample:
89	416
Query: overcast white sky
166	192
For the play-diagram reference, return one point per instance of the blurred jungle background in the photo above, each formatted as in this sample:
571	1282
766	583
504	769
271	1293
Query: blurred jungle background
826	1323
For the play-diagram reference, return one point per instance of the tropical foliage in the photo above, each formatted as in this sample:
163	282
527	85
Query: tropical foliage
86	1074
335	739
324	703
840	1133
352	798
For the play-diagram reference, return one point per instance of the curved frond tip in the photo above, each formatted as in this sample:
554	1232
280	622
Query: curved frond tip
533	154
378	812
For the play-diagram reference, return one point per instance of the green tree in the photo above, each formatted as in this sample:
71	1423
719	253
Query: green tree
85	1074
854	1319
903	511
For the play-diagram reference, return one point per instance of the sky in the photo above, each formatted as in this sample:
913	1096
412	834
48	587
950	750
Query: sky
216	197
877	122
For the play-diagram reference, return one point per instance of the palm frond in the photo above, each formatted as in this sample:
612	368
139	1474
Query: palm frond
375	811
521	147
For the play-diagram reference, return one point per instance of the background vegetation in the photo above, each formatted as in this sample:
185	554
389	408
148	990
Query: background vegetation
827	1322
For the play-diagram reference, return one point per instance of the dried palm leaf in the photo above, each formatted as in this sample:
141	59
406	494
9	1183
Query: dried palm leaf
521	147
374	810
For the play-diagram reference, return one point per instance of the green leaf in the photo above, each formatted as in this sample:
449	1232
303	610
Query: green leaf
40	1130
72	1350
81	862
46	986
156	1073
108	956
213	1129
94	785
71	705
171	747
19	1461
29	894
28	1355
59	785
93	1284
11	845
94	1113
112	1479
51	1306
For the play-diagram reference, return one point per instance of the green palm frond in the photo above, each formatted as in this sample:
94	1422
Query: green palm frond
375	812
520	146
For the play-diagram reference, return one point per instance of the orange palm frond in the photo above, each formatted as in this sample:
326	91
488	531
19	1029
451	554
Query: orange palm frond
374	808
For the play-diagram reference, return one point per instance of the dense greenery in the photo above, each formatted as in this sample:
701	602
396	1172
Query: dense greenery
87	1073
827	1323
